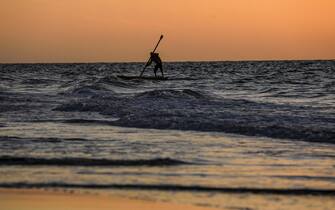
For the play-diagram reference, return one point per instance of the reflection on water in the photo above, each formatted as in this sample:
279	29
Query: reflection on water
235	201
212	160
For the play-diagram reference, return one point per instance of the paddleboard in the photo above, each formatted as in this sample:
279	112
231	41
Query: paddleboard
143	78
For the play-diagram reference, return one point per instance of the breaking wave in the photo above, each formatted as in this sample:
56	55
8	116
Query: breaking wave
187	109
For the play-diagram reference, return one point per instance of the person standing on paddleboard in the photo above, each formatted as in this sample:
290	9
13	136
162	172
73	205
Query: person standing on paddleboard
154	57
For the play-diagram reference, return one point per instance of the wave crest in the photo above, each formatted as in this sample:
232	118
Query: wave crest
31	161
172	94
187	109
176	188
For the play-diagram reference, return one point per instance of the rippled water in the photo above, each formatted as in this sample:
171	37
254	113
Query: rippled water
213	131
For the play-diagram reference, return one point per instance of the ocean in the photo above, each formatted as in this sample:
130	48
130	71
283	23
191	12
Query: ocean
236	131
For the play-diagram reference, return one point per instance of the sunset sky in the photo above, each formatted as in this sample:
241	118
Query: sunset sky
126	30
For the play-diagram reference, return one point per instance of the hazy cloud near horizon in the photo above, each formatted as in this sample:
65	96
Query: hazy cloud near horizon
126	30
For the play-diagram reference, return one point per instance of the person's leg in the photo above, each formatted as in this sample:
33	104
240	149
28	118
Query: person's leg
161	68
155	70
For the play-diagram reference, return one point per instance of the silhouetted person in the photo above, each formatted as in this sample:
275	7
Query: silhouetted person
154	57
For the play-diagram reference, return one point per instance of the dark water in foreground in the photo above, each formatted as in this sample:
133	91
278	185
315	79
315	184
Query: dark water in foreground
214	129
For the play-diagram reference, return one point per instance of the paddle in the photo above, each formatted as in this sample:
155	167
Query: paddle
160	39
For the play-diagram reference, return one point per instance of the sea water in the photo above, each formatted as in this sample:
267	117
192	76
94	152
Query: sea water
232	135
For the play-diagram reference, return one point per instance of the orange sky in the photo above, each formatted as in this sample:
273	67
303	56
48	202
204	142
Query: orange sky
126	30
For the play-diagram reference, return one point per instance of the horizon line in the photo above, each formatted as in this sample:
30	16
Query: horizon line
169	61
